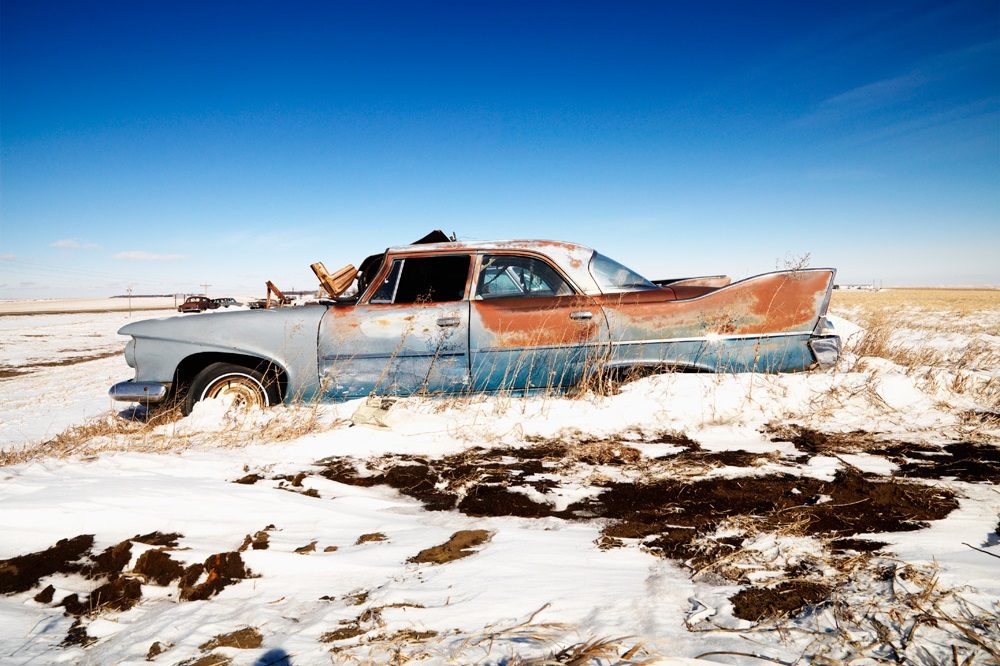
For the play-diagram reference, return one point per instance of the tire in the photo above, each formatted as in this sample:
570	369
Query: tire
246	387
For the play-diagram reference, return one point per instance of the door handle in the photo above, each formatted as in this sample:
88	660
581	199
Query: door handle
445	322
581	315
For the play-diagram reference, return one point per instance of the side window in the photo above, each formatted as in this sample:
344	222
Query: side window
424	280
513	276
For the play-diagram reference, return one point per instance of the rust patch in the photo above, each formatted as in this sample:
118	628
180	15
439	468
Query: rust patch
777	303
535	322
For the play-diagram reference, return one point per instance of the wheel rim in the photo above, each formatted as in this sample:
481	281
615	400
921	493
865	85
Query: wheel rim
237	391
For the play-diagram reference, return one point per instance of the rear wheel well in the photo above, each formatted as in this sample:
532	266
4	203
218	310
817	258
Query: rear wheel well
189	368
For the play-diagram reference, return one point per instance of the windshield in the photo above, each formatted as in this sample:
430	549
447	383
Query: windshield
612	276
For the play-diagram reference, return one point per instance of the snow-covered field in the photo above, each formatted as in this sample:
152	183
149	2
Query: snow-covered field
845	516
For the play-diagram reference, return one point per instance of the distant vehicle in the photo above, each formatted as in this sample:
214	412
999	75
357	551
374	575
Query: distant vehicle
226	302
449	317
261	303
197	304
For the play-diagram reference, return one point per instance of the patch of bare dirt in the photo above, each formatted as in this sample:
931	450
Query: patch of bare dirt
157	566
246	638
670	515
21	573
156	649
343	633
259	540
201	581
367	538
965	461
16	371
159	539
461	544
783	600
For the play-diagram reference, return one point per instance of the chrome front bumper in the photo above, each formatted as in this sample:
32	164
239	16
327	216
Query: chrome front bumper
145	392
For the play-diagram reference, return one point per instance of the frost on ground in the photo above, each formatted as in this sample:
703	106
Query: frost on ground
846	516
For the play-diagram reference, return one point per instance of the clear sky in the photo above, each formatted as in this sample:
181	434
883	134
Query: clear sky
169	144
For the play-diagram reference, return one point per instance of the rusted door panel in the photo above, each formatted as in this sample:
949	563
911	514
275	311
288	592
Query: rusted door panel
394	349
737	323
534	343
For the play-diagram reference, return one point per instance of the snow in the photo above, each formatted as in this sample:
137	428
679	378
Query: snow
179	477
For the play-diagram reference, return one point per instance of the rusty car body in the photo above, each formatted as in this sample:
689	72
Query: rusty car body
446	317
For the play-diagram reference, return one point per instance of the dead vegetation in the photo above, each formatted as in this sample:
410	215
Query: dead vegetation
160	431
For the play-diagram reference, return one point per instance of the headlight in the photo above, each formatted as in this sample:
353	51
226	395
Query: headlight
130	353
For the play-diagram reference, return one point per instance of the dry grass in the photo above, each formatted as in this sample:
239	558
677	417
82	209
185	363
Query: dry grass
960	301
160	431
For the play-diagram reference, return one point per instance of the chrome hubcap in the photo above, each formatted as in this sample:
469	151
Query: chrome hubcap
237	391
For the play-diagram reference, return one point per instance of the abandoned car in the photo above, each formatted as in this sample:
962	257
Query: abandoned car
444	317
197	304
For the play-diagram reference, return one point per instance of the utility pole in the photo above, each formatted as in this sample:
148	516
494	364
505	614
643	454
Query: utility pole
129	290
205	289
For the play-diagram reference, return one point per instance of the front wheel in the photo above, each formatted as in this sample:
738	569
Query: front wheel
237	386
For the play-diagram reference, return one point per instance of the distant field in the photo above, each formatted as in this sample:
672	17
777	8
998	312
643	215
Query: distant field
961	301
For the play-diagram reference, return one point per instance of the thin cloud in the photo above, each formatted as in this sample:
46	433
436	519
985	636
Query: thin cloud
140	255
73	244
877	94
7	256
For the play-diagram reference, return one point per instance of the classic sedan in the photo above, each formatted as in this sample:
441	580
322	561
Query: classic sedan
451	317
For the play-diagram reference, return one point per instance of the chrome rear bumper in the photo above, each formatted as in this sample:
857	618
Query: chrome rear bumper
826	350
144	392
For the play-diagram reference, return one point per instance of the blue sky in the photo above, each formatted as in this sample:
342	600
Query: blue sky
165	145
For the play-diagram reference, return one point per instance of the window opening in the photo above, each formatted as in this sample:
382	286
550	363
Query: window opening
516	276
438	279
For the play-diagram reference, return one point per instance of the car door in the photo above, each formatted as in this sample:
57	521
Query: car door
410	335
529	328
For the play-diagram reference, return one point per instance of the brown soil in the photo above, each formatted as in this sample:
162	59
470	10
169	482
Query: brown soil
22	573
158	567
111	561
847	544
246	638
208	660
460	545
45	596
965	461
306	549
156	649
118	595
159	539
220	571
345	632
258	541
249	479
7	372
374	536
672	516
77	635
786	599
